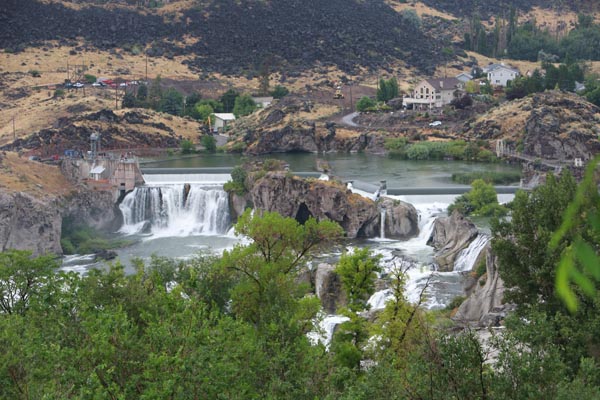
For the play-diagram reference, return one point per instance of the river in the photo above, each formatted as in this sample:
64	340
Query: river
200	227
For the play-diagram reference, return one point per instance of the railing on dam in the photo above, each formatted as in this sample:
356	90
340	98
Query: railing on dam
408	191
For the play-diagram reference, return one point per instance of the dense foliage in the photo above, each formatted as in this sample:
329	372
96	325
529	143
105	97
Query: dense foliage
530	42
454	150
481	200
236	326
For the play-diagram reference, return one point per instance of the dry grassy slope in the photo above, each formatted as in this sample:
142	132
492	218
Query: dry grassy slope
21	175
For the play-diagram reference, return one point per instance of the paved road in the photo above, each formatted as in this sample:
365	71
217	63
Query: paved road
348	120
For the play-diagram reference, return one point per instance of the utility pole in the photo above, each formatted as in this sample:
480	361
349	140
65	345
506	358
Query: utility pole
146	67
351	102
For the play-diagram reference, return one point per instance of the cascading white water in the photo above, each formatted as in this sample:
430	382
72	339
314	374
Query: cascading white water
174	210
467	257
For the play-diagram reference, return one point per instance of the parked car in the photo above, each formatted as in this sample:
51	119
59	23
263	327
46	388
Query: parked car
78	85
435	123
96	84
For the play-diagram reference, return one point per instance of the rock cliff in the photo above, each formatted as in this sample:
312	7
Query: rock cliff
304	198
549	125
29	223
401	219
485	307
451	235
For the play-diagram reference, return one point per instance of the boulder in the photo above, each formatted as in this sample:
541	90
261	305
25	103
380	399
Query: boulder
451	235
401	219
328	288
300	198
485	307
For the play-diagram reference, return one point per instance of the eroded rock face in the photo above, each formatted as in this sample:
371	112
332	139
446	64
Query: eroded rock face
401	219
93	208
451	235
485	307
300	199
328	288
27	223
550	125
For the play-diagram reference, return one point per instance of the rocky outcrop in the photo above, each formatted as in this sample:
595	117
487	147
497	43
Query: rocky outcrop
28	223
116	131
324	200
93	208
550	125
451	235
401	219
279	131
485	307
328	288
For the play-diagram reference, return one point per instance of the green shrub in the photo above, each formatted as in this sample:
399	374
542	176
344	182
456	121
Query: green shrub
209	143
237	184
496	178
89	78
365	103
35	73
455	303
279	91
481	200
59	93
418	151
187	147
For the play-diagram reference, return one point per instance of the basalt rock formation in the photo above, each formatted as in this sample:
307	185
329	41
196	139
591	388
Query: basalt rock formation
116	131
451	235
29	223
548	125
485	307
288	35
302	198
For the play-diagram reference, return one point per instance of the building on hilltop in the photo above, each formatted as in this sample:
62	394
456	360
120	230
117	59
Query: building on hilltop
500	74
434	93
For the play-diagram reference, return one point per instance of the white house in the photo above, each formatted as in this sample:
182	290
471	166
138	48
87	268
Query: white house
222	120
500	74
434	93
464	77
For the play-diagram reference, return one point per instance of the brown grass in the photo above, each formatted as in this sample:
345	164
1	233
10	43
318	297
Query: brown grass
420	8
21	175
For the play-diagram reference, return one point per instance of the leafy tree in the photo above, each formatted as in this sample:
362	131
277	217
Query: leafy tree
172	102
358	272
228	100
462	102
522	243
89	78
387	90
480	200
209	143
155	93
129	100
21	278
142	93
203	111
267	267
365	103
187	147
244	105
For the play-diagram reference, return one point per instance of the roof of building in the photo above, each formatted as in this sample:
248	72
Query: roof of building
494	67
266	99
465	75
444	83
97	170
225	116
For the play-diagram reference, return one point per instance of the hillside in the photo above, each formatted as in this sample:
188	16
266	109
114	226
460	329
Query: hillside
551	125
232	37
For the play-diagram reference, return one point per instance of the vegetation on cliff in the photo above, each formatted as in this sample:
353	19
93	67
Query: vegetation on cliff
237	326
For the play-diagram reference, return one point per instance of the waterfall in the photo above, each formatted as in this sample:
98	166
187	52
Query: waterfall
382	231
467	257
176	210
